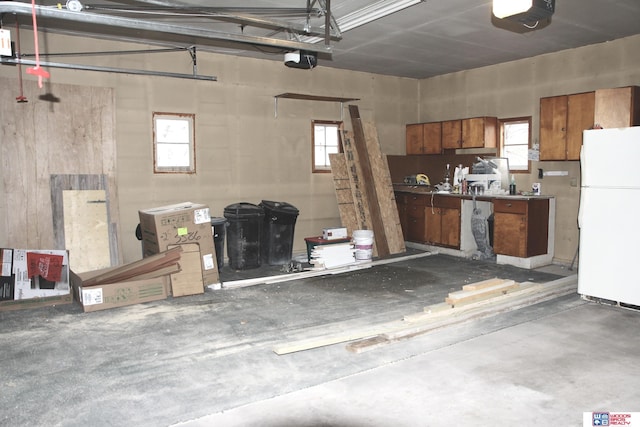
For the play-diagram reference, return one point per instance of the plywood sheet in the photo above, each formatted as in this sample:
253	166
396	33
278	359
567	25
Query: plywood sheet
86	229
342	187
386	198
73	135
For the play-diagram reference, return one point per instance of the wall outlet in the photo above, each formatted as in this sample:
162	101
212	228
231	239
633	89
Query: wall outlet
573	182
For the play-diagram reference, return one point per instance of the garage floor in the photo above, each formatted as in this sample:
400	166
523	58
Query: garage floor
207	360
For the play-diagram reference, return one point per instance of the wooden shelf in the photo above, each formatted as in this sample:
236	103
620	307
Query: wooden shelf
307	97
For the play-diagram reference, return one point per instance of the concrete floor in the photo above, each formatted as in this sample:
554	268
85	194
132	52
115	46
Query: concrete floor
207	360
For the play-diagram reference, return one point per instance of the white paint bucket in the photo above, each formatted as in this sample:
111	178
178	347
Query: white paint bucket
363	242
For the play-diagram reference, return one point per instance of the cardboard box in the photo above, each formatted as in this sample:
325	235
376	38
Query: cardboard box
182	224
40	273
334	233
189	280
119	294
7	278
22	288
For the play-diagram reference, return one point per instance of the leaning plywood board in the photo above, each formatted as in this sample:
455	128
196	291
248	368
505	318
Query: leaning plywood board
370	194
42	139
357	184
342	187
384	190
86	230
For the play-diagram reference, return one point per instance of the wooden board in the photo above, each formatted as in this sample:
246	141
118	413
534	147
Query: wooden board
61	183
387	206
370	195
342	187
75	135
86	229
357	184
465	297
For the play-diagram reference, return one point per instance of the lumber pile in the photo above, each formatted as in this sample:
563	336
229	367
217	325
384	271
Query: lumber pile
477	300
364	191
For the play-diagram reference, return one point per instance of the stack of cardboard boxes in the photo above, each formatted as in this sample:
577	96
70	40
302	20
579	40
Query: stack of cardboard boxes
187	225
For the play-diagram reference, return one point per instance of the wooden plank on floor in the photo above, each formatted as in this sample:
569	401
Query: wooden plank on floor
465	297
342	187
366	178
482	284
386	198
530	293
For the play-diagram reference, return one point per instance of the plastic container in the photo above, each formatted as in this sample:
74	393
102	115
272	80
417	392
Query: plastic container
218	226
363	243
244	234
277	232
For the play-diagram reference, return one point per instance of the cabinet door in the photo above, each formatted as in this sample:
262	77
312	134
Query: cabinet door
553	128
479	132
450	227
432	138
416	218
452	134
580	116
509	234
618	107
414	139
433	225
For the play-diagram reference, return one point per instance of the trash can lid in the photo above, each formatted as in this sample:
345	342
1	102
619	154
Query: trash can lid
279	207
218	221
243	209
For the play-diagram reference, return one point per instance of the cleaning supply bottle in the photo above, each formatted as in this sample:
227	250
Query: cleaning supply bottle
512	186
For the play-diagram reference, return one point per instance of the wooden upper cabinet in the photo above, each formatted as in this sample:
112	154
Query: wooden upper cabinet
452	134
424	138
414	138
432	138
618	107
480	132
562	120
477	132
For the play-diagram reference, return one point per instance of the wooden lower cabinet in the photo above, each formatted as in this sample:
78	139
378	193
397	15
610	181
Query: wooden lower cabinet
416	204
443	222
521	227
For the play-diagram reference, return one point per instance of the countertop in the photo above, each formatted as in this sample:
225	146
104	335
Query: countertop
426	189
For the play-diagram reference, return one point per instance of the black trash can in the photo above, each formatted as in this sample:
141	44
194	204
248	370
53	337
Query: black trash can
218	226
244	232
277	233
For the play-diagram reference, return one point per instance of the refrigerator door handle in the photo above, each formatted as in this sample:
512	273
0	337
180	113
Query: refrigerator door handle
581	207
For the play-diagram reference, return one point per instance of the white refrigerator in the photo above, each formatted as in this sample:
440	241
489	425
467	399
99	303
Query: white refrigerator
609	215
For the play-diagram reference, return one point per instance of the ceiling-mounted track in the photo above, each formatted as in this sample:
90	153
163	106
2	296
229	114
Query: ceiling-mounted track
154	31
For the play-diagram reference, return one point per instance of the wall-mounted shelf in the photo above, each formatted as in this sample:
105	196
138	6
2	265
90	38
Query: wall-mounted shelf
305	97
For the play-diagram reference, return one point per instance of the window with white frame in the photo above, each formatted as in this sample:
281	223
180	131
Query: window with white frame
325	140
515	141
174	143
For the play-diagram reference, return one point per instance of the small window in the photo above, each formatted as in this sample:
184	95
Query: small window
325	138
515	137
174	143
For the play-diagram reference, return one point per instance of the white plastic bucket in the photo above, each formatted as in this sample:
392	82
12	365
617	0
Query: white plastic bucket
363	242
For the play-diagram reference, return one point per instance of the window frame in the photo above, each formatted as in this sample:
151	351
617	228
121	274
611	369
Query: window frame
339	124
501	143
191	120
